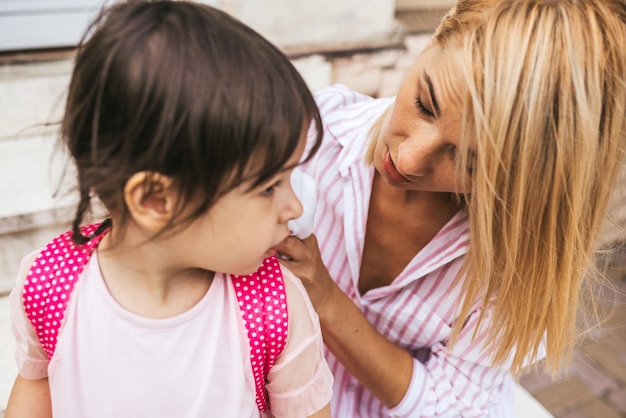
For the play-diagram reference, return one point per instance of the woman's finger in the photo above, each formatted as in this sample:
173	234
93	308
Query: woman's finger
288	248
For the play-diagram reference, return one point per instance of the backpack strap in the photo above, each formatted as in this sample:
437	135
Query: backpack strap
50	282
261	297
263	303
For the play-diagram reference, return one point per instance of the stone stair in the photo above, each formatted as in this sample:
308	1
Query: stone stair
33	198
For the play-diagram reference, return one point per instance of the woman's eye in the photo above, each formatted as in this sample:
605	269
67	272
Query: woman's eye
421	108
471	161
471	158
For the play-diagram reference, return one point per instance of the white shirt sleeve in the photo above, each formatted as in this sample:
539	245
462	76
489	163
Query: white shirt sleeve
462	381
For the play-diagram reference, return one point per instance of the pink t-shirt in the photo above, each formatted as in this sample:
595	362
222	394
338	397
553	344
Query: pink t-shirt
110	362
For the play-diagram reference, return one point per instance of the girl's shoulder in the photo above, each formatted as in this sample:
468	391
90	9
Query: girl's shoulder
300	383
32	359
299	305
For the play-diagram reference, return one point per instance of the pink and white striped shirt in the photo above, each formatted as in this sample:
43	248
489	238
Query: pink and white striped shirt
417	310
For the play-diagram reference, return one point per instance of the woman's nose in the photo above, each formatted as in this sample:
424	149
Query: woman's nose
415	156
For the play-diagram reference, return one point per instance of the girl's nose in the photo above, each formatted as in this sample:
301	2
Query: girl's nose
293	207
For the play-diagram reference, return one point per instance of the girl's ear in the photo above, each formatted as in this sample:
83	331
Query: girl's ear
150	198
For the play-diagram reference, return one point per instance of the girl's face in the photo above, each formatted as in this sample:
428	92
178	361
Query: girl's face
418	142
245	226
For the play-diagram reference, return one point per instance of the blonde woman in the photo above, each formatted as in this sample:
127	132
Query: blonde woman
457	221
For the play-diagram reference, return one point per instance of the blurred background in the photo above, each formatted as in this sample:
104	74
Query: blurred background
365	44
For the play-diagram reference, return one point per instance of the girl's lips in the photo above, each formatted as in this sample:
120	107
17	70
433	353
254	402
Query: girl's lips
270	252
390	169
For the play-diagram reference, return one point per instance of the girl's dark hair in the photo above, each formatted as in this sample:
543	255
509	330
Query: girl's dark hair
184	90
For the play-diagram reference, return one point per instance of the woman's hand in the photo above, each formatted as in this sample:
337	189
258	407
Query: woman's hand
381	366
304	260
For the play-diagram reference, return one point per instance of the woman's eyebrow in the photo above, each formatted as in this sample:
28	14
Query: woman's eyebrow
431	89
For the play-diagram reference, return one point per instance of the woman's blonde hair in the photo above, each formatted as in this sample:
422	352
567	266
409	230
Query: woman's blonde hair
545	118
545	114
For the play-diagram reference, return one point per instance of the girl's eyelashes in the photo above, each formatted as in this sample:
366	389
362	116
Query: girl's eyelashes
268	191
421	108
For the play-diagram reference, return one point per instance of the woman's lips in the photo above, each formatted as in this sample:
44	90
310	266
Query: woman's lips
390	169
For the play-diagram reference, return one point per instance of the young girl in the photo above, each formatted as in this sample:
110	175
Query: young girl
186	125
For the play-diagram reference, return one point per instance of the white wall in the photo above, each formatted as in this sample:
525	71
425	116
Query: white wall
423	4
35	24
319	22
27	24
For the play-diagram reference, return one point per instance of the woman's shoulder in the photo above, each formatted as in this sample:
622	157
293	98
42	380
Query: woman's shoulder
348	114
340	93
337	97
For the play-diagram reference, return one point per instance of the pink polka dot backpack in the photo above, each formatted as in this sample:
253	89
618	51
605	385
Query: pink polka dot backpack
261	296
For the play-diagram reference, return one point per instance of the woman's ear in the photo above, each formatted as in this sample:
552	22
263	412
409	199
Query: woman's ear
150	198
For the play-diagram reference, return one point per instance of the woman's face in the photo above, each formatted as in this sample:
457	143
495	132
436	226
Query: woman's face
418	142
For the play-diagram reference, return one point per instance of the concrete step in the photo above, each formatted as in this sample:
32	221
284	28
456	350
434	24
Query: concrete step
32	94
34	201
